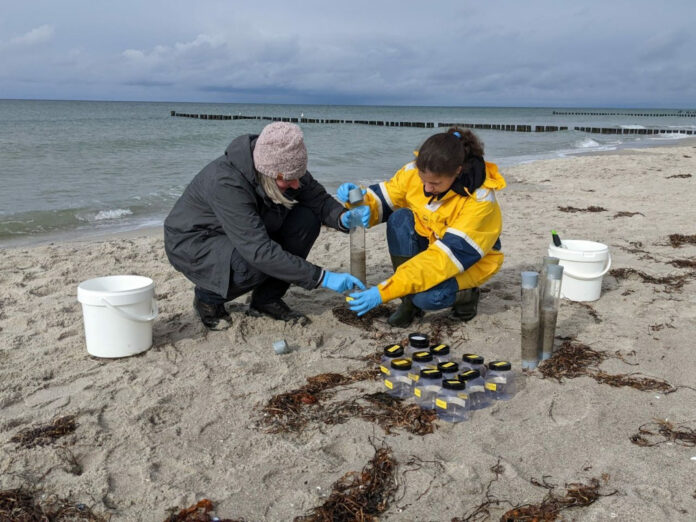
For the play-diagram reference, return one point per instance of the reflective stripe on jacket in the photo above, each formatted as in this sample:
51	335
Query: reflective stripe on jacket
461	230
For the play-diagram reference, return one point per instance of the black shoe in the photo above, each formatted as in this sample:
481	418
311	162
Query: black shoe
277	309
405	313
210	314
466	305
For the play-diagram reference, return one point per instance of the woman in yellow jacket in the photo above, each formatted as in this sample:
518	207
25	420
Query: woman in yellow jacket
443	228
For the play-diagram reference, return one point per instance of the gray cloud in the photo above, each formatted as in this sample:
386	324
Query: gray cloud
449	52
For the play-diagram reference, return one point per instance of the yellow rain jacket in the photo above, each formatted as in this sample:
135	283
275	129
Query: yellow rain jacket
463	231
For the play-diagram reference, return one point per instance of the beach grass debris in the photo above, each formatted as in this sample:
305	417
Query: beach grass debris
198	512
482	511
574	359
391	413
22	504
677	240
347	316
624	213
591	208
577	495
672	282
46	434
360	496
683	263
670	432
287	412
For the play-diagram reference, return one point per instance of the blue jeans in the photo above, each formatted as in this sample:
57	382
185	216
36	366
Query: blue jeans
404	241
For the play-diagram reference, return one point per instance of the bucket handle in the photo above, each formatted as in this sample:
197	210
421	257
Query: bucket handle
154	312
584	277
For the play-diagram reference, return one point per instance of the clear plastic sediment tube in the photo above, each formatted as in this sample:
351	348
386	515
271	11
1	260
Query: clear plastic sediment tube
548	260
530	320
358	267
550	303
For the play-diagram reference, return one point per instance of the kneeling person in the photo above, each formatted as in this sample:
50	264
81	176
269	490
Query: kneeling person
247	222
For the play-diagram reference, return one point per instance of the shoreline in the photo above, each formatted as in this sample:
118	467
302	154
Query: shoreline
75	236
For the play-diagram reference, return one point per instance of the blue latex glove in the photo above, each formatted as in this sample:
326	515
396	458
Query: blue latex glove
365	301
363	213
343	190
340	282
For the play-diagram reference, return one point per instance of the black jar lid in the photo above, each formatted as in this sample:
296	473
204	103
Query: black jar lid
423	356
418	340
469	375
401	364
393	350
430	373
440	349
499	366
448	367
453	384
472	358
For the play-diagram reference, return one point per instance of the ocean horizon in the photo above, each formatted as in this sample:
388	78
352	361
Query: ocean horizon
74	167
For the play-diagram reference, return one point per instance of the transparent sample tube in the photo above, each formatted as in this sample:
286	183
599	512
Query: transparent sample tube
550	303
530	320
548	260
358	266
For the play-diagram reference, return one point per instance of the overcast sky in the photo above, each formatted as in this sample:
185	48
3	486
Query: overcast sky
631	53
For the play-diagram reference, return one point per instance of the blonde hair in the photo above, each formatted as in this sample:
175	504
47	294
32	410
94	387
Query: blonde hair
273	192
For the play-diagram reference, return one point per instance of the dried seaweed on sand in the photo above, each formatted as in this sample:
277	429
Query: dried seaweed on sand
360	496
22	505
47	434
678	434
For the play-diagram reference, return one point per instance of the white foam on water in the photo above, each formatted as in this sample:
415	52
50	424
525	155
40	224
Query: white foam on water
586	143
111	214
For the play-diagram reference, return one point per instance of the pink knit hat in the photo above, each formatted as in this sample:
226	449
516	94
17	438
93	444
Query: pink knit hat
280	152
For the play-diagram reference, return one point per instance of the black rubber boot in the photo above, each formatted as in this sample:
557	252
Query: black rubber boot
407	311
466	304
210	314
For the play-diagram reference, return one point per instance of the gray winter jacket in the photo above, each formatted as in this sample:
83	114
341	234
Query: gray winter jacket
224	208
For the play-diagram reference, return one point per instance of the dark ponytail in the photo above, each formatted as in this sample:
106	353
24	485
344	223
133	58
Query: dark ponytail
445	152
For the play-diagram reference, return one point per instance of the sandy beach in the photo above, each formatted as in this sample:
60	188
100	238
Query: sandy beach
184	421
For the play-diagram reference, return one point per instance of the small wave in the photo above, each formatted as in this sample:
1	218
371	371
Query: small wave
586	143
632	126
111	214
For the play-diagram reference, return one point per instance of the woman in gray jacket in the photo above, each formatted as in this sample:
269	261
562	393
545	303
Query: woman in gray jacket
247	222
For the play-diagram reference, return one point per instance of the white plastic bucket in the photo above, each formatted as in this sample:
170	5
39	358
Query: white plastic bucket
584	265
118	311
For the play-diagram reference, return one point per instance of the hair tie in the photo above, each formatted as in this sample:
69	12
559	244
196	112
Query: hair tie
457	134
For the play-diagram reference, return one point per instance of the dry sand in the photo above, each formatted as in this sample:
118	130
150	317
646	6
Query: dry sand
179	423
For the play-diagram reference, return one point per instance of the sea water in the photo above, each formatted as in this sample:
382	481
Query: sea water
71	168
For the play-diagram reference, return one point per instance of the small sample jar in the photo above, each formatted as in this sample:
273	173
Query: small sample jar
417	342
441	352
452	403
427	388
475	362
449	369
475	388
397	381
423	359
500	381
391	352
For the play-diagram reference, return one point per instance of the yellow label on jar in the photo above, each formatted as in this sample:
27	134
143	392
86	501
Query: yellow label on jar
462	396
394	348
384	369
491	386
439	347
447	365
388	384
441	404
417	392
413	377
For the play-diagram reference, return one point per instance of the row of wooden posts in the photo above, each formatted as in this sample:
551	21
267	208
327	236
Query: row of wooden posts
679	114
429	124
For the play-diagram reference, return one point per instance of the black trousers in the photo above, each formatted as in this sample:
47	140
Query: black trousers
297	235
